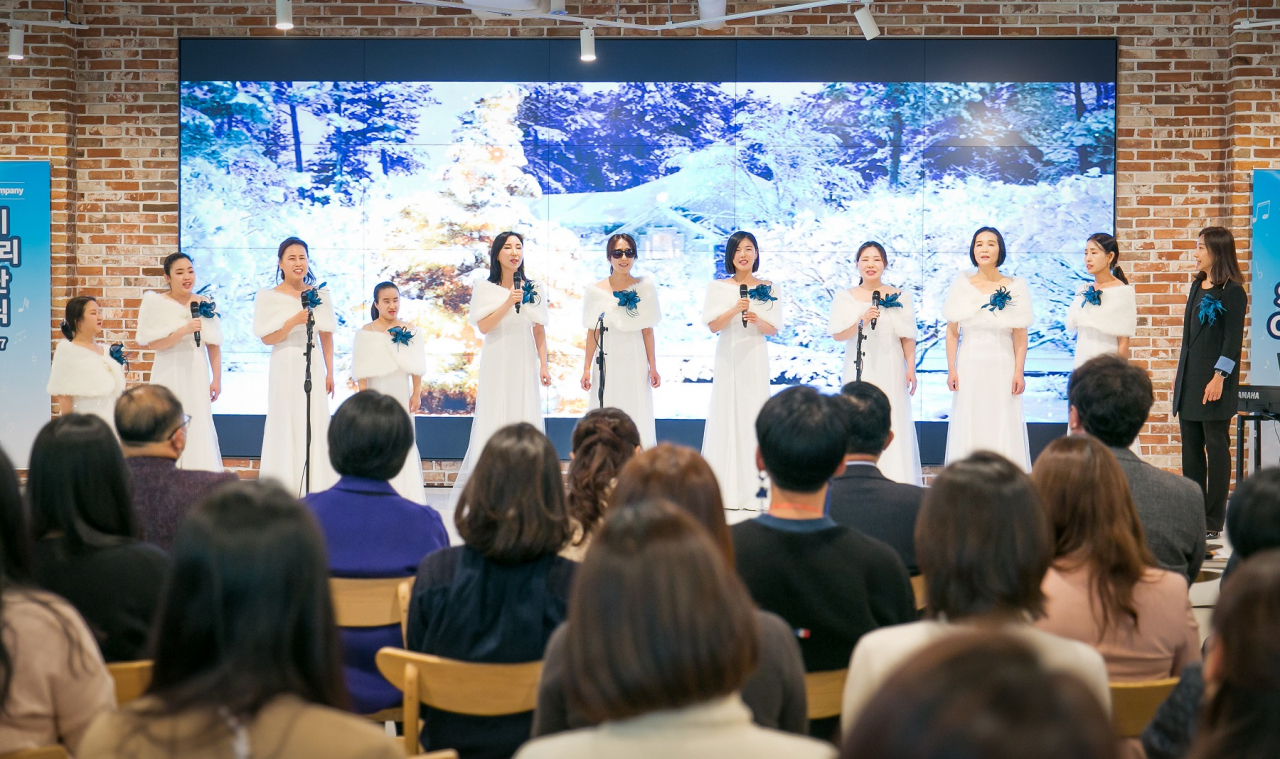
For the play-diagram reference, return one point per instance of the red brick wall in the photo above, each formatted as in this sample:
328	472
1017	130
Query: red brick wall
1197	113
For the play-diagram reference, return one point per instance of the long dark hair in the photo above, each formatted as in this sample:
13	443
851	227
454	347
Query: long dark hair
1112	249
999	240
246	616
74	313
1222	244
310	278
603	441
79	485
172	257
1086	496
495	267
373	310
731	249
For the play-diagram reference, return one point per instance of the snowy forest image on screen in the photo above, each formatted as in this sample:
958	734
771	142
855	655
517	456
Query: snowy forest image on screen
411	181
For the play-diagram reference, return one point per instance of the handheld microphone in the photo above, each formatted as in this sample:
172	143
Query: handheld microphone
195	314
742	293
875	301
517	282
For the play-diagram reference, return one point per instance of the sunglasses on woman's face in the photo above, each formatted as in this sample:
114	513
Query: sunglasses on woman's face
620	252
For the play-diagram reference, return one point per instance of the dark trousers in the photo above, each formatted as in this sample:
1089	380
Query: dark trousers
1206	460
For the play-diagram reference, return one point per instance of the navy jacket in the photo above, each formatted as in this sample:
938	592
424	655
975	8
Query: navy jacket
372	532
865	500
1209	346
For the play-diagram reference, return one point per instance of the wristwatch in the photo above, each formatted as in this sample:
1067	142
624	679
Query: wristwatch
1221	373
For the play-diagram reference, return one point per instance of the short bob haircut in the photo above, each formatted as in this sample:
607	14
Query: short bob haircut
79	486
657	620
246	616
370	436
495	266
870	418
981	695
1112	398
803	436
974	243
731	249
983	540
513	510
680	475
1253	521
147	414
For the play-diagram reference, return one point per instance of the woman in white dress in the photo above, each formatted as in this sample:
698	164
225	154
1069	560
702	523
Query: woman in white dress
888	353
510	310
280	320
86	378
166	325
987	319
630	308
744	311
1103	323
389	357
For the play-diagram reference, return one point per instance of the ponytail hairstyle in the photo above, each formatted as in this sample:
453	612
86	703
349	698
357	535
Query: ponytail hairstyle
884	256
495	268
603	441
373	310
1222	244
74	313
171	258
289	242
1112	249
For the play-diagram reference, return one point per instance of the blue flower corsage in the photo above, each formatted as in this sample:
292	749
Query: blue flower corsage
891	301
762	293
628	299
1093	296
116	351
530	293
400	335
207	309
999	299
311	298
1210	309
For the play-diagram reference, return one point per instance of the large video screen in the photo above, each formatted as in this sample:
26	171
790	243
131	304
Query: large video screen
409	181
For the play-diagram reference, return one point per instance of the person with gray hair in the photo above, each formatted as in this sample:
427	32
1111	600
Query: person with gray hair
153	433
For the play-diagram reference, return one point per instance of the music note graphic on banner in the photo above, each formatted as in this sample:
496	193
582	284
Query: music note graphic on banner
1263	211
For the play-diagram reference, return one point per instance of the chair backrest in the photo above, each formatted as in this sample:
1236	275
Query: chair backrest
482	690
447	753
403	594
824	692
917	587
366	602
132	679
44	752
1134	704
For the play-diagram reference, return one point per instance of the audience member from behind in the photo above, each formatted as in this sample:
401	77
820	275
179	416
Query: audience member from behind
247	662
1253	524
52	678
774	692
660	638
153	434
989	696
603	441
370	530
498	598
831	584
984	545
1104	588
862	497
86	544
1110	400
1242	666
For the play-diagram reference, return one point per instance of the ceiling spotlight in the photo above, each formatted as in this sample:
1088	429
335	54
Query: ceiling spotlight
284	15
588	38
557	8
866	21
15	43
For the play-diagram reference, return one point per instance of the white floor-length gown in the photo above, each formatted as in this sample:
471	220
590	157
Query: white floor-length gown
1100	326
985	414
94	381
626	365
388	366
508	384
284	436
184	369
738	392
885	367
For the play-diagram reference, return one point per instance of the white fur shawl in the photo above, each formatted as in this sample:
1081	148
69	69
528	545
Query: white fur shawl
161	316
375	355
723	293
271	309
1117	315
486	297
965	304
846	309
596	301
80	371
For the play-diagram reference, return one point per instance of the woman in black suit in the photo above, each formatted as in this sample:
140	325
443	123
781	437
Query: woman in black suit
1205	392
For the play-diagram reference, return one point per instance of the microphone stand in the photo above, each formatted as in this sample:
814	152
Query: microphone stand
306	388
857	359
600	330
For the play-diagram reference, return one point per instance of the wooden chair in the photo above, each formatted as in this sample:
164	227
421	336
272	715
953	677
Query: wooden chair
370	602
132	679
403	594
1134	704
445	754
481	690
824	692
44	752
917	587
1208	575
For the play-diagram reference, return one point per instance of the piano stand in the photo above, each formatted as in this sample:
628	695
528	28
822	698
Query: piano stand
1257	417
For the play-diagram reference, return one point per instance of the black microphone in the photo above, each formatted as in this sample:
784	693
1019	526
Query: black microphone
195	314
875	301
742	293
516	282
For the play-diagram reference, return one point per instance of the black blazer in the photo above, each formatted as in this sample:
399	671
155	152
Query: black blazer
1202	346
865	500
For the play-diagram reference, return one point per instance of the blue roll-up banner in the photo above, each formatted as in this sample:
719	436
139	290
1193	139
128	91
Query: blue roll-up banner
24	305
1264	331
